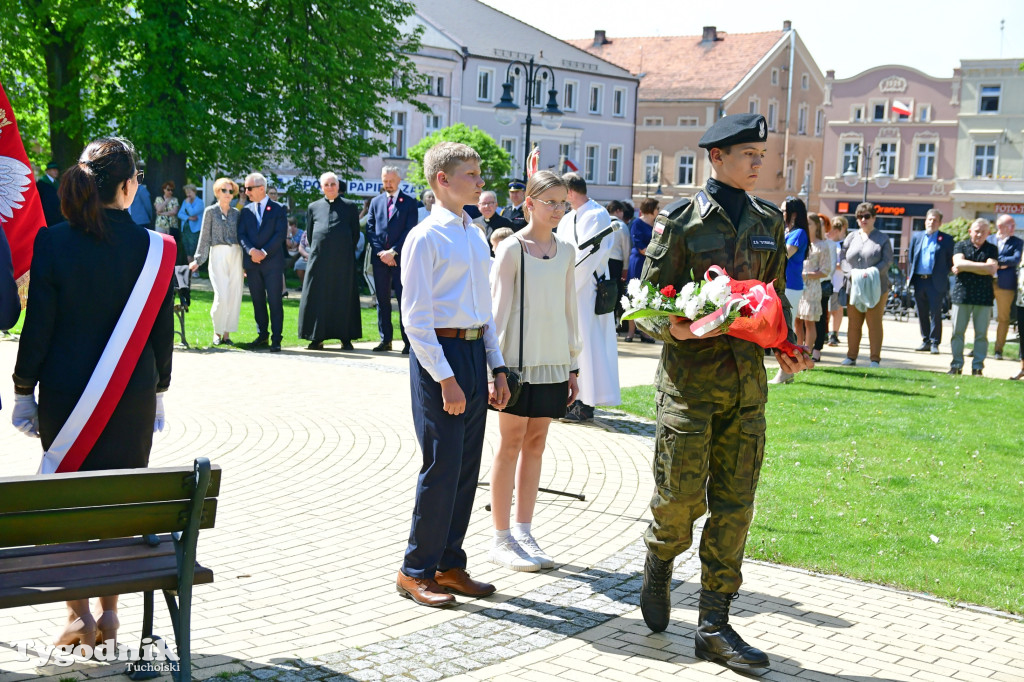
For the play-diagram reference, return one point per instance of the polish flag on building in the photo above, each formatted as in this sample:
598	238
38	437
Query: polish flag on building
570	165
901	108
21	212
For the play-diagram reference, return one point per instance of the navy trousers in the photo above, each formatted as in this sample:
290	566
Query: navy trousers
929	309
451	447
385	280
266	286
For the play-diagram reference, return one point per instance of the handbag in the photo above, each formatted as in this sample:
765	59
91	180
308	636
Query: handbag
826	288
607	295
514	378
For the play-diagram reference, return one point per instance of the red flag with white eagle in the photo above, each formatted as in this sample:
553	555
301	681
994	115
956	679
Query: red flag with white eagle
21	212
901	108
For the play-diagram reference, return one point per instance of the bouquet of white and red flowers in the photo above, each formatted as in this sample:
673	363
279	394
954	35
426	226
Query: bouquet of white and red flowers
745	309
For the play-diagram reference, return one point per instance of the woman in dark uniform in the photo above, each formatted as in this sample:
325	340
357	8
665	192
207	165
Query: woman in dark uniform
83	272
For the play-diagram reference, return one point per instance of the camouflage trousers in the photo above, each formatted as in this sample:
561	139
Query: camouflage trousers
707	459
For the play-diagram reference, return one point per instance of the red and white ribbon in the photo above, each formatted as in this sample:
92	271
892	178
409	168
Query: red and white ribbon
107	383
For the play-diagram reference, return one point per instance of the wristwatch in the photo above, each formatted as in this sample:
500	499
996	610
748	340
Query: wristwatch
499	370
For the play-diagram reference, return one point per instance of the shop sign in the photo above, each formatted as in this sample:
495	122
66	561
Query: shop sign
887	209
1012	209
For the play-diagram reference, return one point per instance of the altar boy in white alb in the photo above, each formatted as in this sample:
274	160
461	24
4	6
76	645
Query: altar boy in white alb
599	361
446	305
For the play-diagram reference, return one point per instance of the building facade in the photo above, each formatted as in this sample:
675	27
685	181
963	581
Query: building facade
990	144
897	127
689	82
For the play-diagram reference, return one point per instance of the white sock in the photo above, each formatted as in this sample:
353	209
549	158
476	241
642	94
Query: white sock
522	529
501	536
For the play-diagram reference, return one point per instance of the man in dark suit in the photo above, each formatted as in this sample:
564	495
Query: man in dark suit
928	265
47	186
262	226
514	211
392	214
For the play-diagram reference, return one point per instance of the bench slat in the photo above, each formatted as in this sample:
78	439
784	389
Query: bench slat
96	488
88	585
66	556
71	525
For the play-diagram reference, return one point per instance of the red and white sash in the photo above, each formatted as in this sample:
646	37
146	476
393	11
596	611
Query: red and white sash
116	364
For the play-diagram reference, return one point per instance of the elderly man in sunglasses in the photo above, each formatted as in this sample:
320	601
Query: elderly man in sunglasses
262	227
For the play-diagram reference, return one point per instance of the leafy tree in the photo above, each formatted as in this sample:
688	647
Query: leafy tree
209	87
495	163
957	228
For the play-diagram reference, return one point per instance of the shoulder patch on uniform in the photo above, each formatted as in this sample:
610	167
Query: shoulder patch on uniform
674	207
704	204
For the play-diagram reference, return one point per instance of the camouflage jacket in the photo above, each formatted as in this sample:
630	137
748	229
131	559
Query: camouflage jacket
692	236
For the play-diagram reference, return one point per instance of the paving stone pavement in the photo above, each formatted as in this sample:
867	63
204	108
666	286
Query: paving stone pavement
319	466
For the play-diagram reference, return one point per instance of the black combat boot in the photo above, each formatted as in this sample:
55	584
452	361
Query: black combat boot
656	595
715	640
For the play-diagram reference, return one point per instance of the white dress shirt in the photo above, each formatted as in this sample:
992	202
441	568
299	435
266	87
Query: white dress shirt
445	267
258	207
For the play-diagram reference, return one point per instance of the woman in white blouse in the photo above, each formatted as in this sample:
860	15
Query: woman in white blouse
548	356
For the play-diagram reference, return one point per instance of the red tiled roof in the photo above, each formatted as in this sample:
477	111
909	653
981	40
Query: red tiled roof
682	67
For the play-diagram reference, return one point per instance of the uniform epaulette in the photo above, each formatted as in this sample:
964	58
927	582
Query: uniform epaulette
762	204
674	208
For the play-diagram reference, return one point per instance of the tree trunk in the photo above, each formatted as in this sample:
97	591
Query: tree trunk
165	165
65	112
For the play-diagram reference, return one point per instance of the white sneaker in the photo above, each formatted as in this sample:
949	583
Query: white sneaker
510	555
533	550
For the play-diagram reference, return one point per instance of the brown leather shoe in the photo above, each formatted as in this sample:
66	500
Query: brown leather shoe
457	580
423	591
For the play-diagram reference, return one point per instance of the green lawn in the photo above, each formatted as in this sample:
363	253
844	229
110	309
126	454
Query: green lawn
199	325
907	478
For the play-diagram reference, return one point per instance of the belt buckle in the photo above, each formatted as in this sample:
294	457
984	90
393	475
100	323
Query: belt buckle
473	334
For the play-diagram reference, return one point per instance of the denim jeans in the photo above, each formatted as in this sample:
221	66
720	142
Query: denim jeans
962	314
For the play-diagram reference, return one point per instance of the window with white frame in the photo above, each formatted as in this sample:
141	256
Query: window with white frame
652	168
754	106
809	174
988	102
437	86
851	158
564	151
484	81
801	120
511	145
684	169
688	122
775	76
924	113
619	102
653	121
805	82
540	98
857	113
790	175
596	97
773	109
432	123
887	155
396	143
590	162
614	162
925	160
878	110
819	122
984	160
569	91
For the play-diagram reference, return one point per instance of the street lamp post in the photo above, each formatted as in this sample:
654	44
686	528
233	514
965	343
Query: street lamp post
851	176
505	110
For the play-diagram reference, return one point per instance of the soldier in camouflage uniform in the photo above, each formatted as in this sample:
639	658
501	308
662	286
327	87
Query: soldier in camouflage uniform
712	390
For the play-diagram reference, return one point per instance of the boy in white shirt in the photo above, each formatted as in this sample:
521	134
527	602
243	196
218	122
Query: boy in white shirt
446	306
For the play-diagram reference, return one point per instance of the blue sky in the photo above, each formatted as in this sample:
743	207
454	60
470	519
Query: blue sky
846	36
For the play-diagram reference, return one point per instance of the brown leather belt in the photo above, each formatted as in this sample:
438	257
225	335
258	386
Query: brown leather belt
467	334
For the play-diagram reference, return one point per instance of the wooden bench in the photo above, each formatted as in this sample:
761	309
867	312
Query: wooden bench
92	534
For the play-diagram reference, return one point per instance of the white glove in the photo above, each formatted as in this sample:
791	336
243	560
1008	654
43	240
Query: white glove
158	423
26	414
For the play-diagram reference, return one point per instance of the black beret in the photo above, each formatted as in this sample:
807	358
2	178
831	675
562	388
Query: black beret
515	184
735	129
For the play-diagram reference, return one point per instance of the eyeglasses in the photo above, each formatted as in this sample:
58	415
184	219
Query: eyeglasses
227	190
863	217
556	206
139	177
249	189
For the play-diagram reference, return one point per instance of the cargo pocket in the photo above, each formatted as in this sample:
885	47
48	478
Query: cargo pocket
752	430
680	461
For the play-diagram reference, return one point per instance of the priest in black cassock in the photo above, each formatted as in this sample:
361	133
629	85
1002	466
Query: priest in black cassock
330	295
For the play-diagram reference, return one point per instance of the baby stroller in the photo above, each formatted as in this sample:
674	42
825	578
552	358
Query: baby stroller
900	301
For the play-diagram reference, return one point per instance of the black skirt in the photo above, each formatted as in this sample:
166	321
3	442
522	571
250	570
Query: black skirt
124	443
541	400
